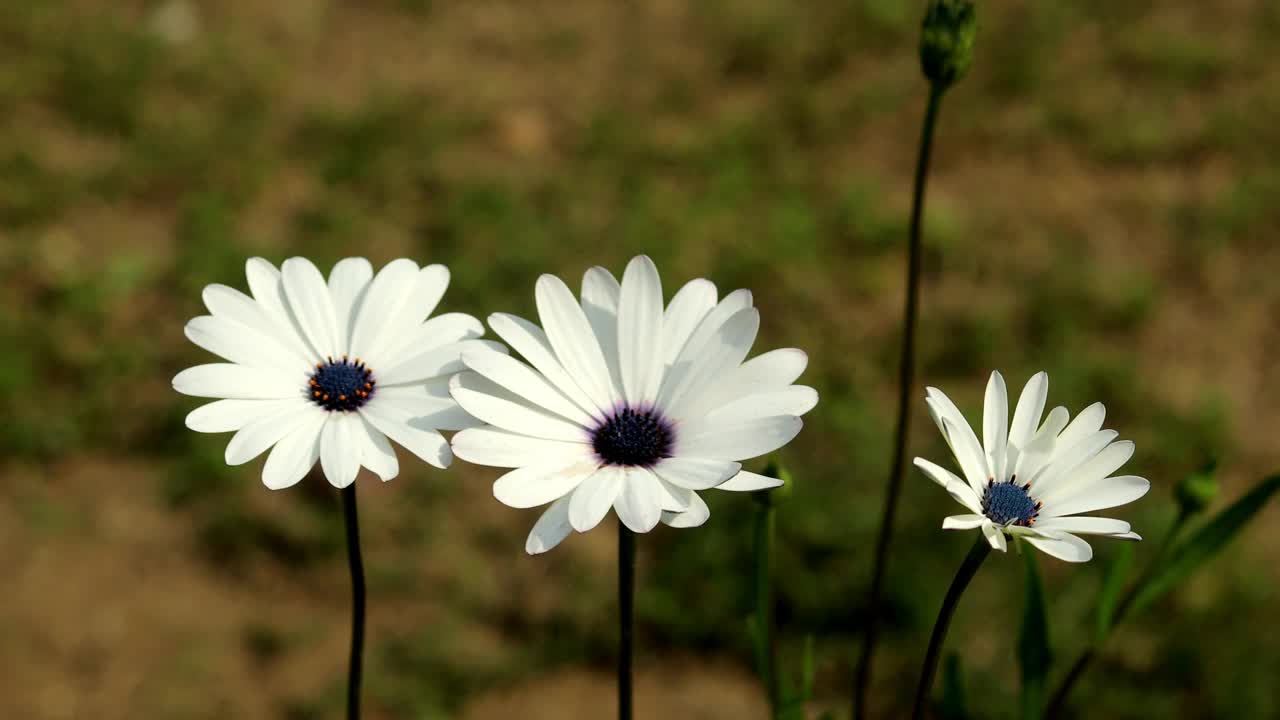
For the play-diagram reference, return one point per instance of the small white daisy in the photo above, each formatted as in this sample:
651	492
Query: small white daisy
624	405
1031	480
330	370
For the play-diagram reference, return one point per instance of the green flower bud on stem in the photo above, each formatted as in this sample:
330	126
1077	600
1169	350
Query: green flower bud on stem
1198	490
946	41
774	470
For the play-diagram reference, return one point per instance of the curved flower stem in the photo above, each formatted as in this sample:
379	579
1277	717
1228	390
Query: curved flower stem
352	520
906	379
979	552
764	531
1058	703
626	615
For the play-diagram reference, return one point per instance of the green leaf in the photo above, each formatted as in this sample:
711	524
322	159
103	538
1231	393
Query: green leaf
953	703
1034	653
1207	542
1112	584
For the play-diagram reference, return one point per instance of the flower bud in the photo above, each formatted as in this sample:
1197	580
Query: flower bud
1198	490
946	41
775	470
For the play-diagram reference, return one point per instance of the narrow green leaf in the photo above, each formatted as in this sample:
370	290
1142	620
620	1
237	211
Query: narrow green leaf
1207	542
953	702
808	670
1034	653
1112	585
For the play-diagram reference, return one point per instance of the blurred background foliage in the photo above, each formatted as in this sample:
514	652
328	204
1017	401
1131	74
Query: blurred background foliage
1102	207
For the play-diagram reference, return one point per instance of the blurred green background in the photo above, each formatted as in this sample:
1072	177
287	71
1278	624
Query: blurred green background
1103	207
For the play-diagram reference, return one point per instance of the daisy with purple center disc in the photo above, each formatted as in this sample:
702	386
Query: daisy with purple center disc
331	370
1030	479
621	403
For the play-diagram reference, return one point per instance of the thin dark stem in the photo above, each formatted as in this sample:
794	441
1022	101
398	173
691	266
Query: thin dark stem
351	516
626	616
765	522
979	552
1058	703
906	380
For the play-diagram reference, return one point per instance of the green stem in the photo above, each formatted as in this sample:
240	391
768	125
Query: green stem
626	616
1058	704
906	379
765	527
979	552
352	521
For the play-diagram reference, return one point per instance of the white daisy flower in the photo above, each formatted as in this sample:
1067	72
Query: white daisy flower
624	405
330	370
1031	480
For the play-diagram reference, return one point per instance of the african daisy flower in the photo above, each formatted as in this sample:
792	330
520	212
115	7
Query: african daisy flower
330	370
625	405
1030	479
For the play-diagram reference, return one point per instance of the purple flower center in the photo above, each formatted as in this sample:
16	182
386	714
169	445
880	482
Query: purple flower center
342	385
633	437
1008	503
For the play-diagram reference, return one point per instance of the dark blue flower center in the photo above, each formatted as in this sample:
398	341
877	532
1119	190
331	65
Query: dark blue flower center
633	437
1008	503
341	385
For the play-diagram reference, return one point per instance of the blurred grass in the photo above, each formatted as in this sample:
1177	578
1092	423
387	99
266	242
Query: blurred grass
1100	210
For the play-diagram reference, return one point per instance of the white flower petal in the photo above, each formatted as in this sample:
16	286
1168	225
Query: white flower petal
696	515
1032	458
674	499
445	329
792	400
1099	495
964	522
640	352
575	345
995	426
425	291
995	536
1064	463
969	454
267	286
376	452
233	306
696	473
427	444
531	342
525	382
375	317
736	440
591	501
348	281
774	370
940	408
339	451
1064	546
685	311
534	485
294	456
494	405
243	345
749	482
600	296
311	305
707	332
551	529
1087	423
225	380
686	386
1107	461
498	448
430	363
639	503
231	415
254	438
1085	525
958	488
1026	417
